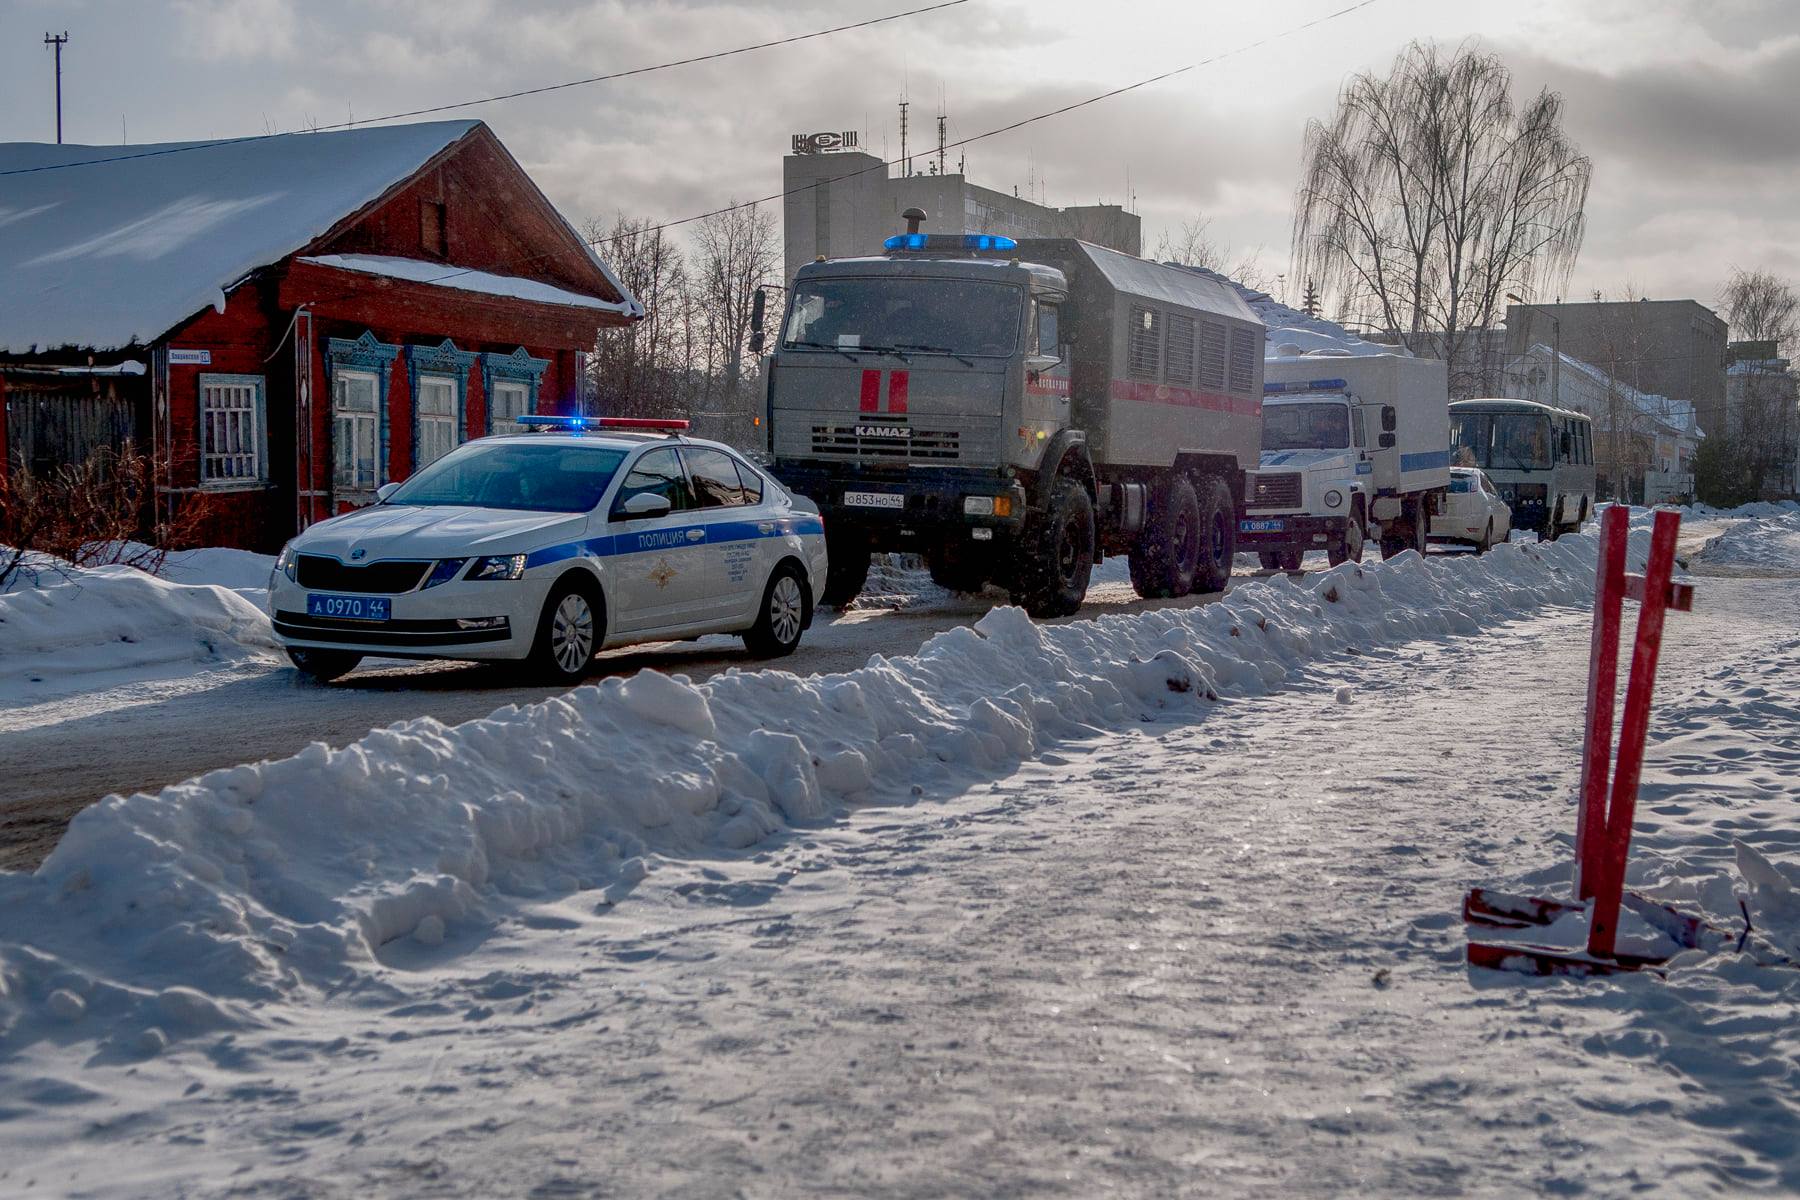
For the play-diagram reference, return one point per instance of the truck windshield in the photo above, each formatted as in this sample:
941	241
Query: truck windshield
1322	426
1500	441
912	314
567	477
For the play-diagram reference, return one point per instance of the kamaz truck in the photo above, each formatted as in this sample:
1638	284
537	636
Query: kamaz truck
1014	411
1352	447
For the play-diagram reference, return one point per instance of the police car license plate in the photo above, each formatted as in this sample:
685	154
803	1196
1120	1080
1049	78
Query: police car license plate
875	499
348	608
1261	526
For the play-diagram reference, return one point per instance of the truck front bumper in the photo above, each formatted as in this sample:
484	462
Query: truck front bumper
897	507
1289	530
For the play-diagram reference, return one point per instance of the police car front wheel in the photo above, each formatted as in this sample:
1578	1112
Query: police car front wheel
323	665
569	632
782	617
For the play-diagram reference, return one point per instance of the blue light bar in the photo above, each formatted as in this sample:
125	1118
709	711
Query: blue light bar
552	421
949	241
1312	385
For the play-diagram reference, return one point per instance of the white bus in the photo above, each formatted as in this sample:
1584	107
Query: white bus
1541	458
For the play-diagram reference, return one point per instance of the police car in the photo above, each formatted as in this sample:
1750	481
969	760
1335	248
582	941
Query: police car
545	546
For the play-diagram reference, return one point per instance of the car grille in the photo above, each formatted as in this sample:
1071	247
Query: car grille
886	440
1279	490
303	628
388	577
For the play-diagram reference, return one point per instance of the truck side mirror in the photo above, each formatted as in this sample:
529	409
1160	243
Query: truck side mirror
758	303
1037	364
1389	423
1386	440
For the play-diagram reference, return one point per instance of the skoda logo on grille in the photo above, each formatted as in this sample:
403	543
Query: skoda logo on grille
358	553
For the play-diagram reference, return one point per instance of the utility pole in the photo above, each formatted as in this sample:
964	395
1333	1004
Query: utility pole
905	162
941	120
58	42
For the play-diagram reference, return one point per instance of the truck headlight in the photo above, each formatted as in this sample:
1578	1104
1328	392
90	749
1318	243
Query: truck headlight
505	566
987	506
1334	499
284	562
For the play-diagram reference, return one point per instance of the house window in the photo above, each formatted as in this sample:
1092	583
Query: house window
437	418
1144	351
432	239
233	448
355	431
507	402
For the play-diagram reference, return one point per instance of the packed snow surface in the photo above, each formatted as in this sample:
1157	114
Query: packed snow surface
185	910
1766	543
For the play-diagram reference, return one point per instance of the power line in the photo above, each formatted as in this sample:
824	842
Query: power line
536	91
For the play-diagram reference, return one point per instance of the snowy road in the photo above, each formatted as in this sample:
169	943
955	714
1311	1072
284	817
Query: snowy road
1198	958
148	732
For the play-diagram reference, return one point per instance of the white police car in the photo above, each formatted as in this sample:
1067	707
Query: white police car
543	547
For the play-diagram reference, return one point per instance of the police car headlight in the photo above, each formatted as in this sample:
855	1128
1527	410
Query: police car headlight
284	562
508	566
1334	499
446	570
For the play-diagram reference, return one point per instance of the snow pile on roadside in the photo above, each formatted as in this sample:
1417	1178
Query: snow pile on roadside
1756	508
1762	545
77	620
243	571
171	914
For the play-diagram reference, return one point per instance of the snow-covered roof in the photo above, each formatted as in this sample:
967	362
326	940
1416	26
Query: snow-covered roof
1677	416
462	279
137	239
1291	327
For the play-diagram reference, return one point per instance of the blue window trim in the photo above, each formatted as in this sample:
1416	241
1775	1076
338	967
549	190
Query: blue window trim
366	353
442	359
517	367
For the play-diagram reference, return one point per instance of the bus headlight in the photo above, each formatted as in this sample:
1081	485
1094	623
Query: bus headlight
1334	499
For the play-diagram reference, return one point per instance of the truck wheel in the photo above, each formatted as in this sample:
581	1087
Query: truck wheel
1289	560
323	665
1167	552
1268	560
1057	558
847	569
1351	548
956	570
1408	533
1218	537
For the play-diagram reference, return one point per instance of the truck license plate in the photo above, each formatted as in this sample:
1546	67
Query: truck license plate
875	499
347	608
1261	526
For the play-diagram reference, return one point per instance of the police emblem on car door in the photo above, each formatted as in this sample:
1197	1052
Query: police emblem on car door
659	548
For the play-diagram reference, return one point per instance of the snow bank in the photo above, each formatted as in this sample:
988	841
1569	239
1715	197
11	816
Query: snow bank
78	620
1761	545
182	911
242	571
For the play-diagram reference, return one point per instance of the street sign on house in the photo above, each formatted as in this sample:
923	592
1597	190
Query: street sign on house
824	143
179	357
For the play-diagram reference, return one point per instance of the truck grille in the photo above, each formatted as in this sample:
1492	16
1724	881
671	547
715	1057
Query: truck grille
886	441
388	577
1279	490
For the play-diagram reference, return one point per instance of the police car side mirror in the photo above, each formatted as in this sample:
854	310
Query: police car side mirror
384	491
646	504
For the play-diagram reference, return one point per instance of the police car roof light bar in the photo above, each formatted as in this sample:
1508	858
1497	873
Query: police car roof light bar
564	421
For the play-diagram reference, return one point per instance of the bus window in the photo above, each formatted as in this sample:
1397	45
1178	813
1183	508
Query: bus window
1469	437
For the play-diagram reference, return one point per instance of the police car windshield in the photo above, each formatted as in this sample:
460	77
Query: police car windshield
564	477
911	313
1306	426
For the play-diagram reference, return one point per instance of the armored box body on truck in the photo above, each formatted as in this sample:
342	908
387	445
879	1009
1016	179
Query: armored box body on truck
1353	445
1013	415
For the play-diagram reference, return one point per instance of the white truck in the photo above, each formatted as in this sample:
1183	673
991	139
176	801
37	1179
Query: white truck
1353	446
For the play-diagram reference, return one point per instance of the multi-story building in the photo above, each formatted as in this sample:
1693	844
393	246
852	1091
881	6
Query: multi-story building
1762	411
845	203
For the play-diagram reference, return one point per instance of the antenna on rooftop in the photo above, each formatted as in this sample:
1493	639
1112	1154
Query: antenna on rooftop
905	162
59	42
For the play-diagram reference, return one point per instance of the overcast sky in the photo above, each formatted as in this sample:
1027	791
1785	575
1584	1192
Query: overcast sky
1688	107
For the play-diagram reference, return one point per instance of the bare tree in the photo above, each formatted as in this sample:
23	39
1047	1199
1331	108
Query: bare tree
1761	430
639	370
734	252
1429	196
1761	308
1193	245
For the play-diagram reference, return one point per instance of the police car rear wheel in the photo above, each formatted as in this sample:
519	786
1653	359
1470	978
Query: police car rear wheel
568	634
324	665
782	618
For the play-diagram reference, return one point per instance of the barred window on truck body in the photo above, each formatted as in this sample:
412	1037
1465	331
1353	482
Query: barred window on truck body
1178	360
1145	347
1212	356
1243	361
